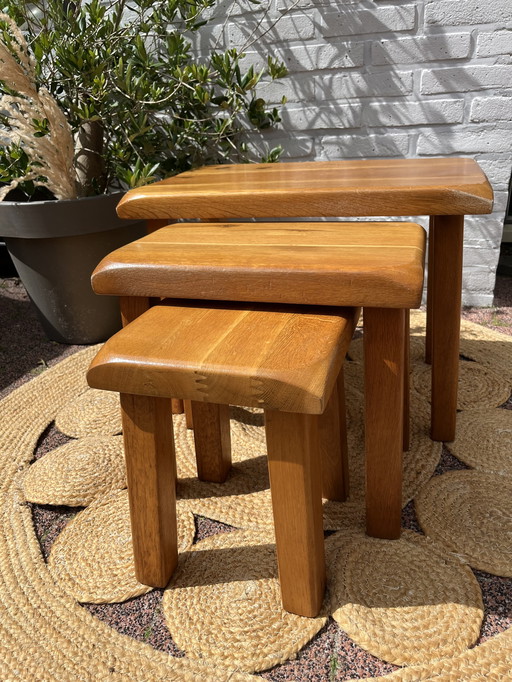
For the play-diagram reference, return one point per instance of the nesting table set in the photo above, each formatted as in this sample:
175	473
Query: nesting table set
261	314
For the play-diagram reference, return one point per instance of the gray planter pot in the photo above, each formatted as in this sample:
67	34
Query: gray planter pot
55	246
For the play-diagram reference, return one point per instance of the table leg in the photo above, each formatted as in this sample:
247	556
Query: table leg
407	417
151	475
384	350
430	290
212	440
151	226
296	490
447	293
333	444
131	307
157	223
187	408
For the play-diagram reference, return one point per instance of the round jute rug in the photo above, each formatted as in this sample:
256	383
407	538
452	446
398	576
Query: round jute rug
414	609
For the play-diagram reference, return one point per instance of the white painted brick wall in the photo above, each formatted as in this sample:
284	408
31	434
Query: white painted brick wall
390	78
414	113
354	21
361	85
490	44
421	49
467	12
466	79
491	109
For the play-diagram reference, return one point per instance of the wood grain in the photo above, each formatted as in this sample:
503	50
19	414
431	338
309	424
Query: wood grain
212	441
151	475
177	406
384	344
430	291
407	408
295	485
131	307
152	225
317	188
376	264
189	418
283	358
333	447
447	293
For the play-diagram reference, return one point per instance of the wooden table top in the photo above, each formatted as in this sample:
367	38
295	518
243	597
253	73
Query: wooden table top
322	263
285	358
379	187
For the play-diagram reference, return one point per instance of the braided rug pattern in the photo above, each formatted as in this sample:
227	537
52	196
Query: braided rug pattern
413	602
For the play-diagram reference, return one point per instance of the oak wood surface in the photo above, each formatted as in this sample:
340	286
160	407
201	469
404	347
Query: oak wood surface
377	264
425	186
406	441
131	307
212	441
332	428
189	419
295	486
152	225
446	308
177	406
384	348
430	290
274	357
151	474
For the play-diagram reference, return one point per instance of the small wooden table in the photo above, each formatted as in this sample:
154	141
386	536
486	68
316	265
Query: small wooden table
379	268
444	189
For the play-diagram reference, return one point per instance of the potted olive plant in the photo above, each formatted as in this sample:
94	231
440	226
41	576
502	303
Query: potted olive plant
96	98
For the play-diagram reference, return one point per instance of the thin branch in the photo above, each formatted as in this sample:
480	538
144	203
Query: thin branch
272	26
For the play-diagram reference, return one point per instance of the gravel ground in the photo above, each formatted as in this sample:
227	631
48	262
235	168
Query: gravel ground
331	655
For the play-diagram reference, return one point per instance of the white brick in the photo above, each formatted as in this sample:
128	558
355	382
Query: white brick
477	299
475	256
385	84
295	147
480	244
488	227
414	113
289	27
224	8
297	89
358	21
491	109
283	5
465	79
497	171
209	36
469	140
339	56
352	146
500	201
312	57
477	281
334	116
491	44
421	49
459	12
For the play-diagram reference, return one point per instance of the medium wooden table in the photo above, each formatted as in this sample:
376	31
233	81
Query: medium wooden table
379	268
444	189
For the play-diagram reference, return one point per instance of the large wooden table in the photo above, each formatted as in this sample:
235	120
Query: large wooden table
444	189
